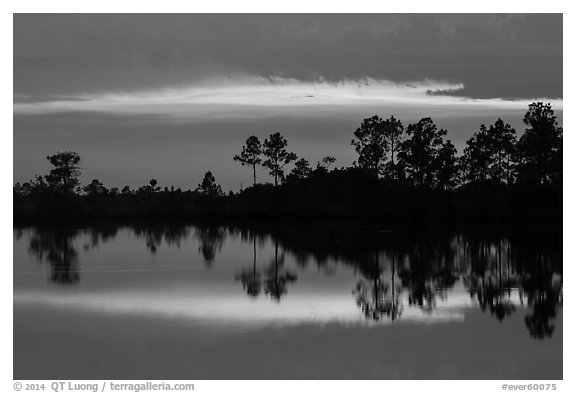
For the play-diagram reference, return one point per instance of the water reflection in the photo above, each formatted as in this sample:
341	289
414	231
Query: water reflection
491	282
395	272
275	279
155	235
211	239
376	297
250	277
56	248
277	276
544	296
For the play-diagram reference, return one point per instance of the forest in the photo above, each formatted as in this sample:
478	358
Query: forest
409	173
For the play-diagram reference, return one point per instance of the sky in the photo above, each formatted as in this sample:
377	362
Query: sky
169	97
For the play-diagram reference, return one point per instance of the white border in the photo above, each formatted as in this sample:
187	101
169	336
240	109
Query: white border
419	6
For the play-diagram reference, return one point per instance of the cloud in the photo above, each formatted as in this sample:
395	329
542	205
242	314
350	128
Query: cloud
254	96
509	56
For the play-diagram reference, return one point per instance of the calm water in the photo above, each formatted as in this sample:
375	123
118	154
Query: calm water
331	302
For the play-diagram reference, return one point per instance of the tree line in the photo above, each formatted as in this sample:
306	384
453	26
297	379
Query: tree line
421	155
391	156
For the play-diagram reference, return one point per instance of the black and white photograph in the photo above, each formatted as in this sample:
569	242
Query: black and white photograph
287	196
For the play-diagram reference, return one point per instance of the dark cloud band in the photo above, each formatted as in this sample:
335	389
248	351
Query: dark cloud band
494	56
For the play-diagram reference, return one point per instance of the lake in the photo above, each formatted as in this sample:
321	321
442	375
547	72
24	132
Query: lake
287	301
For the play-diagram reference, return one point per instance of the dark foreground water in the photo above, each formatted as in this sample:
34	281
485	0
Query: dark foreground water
290	302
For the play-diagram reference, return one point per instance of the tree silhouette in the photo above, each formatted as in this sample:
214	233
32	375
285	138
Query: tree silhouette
64	176
476	157
375	139
540	144
490	153
277	156
393	133
398	175
323	165
209	187
503	138
420	152
328	161
250	155
153	183
371	144
301	170
95	188
446	166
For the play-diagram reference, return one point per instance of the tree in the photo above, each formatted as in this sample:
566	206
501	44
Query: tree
250	155
324	165
153	183
328	161
64	176
477	156
36	186
503	149
393	133
371	144
209	187
375	139
277	155
419	153
18	190
301	170
446	166
540	145
95	188
490	153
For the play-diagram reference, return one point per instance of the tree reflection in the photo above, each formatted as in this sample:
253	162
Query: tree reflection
57	248
251	278
544	295
501	273
211	240
277	277
501	266
376	298
487	282
100	235
152	236
155	235
504	273
428	273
